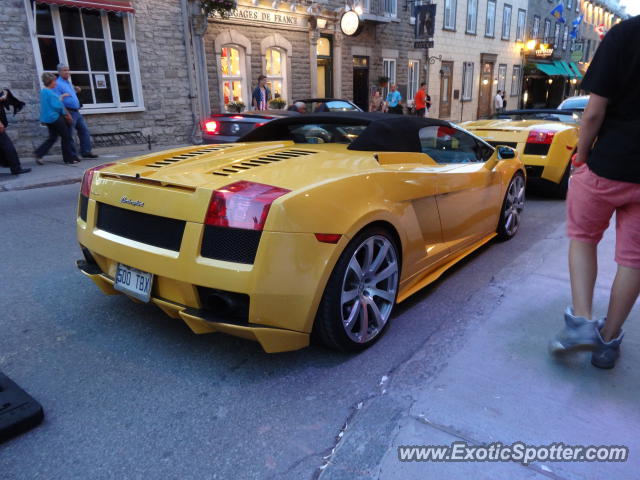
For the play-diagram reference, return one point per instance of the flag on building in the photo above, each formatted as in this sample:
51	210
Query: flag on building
574	27
601	30
558	12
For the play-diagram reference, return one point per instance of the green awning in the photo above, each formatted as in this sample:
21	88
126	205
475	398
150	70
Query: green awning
549	69
564	67
576	69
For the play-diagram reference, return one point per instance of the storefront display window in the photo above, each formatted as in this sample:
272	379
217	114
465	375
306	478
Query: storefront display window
276	72
230	65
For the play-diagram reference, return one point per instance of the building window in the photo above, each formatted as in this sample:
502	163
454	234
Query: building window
569	4
390	8
389	69
502	77
506	22
467	81
414	78
450	7
490	25
522	21
231	65
556	36
547	31
515	81
535	31
565	38
472	16
99	50
276	71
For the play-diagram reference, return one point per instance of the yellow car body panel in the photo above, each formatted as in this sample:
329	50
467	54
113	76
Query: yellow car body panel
554	163
439	212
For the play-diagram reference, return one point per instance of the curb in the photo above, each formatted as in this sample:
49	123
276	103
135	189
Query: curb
54	183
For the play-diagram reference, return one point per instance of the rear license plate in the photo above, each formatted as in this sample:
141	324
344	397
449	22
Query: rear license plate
134	282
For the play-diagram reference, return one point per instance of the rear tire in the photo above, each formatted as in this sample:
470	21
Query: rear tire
360	294
512	206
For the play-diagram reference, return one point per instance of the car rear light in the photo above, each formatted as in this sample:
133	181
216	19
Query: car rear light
211	127
328	237
237	116
87	179
259	124
242	205
541	136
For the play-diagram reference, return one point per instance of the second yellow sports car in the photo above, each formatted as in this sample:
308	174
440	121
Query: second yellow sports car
314	224
545	140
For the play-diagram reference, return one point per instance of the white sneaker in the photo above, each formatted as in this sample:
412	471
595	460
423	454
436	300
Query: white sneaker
578	333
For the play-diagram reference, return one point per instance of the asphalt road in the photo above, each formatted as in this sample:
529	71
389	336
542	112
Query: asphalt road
131	393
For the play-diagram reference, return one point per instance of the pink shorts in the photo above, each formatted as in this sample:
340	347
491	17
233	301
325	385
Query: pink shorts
591	202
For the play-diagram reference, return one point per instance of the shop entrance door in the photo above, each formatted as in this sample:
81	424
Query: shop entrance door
485	99
446	80
361	82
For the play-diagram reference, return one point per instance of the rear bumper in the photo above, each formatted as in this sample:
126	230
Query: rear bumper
206	138
272	340
284	284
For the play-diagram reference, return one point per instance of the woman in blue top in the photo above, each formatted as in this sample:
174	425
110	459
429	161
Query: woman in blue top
52	114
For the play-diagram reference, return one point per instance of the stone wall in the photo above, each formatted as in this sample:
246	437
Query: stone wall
161	53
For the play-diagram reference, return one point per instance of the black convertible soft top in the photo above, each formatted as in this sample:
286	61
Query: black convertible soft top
384	132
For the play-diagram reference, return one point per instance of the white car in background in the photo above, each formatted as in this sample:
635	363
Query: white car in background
574	103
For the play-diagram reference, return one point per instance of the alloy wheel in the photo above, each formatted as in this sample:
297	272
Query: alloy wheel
369	288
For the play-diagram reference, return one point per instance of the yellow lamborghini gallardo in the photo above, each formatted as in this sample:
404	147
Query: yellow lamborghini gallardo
313	225
545	140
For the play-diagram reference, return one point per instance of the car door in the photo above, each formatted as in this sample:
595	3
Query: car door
467	194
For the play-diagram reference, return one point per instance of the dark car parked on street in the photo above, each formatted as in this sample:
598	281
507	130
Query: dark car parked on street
229	127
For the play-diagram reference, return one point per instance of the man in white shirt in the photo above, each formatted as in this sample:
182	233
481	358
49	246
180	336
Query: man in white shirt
498	102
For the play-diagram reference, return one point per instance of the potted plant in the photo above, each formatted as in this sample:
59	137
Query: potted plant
383	81
277	103
235	107
221	7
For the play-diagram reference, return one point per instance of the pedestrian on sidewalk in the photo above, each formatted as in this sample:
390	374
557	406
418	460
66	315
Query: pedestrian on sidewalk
261	94
57	120
498	102
606	180
422	101
377	102
394	100
8	155
69	95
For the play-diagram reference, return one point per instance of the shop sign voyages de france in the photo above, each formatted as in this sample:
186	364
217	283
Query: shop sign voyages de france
259	15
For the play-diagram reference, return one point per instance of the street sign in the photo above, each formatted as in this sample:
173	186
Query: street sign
423	44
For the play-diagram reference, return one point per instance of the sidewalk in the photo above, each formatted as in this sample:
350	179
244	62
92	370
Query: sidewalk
499	384
56	172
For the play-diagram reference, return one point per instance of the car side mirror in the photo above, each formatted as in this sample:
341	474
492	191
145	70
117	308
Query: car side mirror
501	153
505	153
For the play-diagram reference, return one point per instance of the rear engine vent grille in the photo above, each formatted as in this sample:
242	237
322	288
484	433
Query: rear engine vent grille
259	161
230	244
185	156
493	143
150	229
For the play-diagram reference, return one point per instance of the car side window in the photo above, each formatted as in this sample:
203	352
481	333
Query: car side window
449	145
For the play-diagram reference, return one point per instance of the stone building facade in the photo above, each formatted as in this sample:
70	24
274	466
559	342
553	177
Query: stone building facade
468	62
476	53
128	57
556	59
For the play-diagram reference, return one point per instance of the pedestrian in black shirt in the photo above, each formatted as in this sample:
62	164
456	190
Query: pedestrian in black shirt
8	155
607	180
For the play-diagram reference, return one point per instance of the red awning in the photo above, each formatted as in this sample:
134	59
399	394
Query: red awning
107	5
